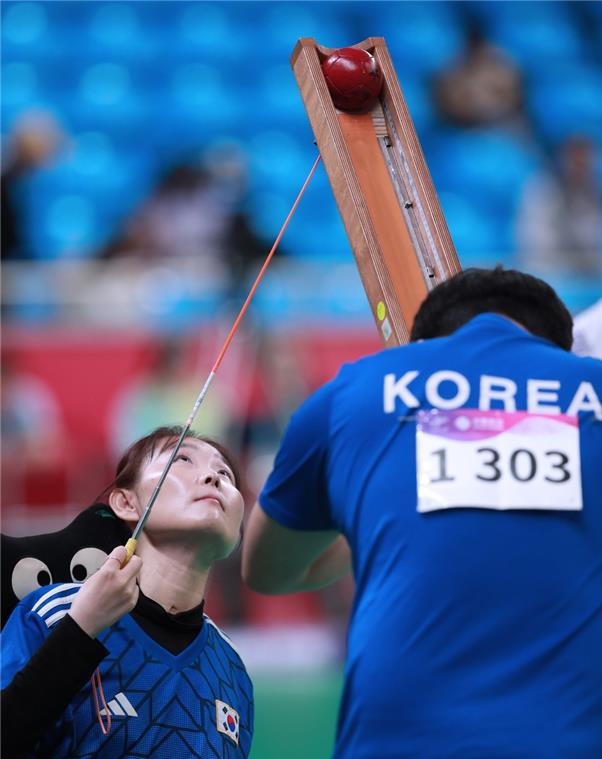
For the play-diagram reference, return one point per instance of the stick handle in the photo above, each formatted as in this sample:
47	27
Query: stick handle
130	548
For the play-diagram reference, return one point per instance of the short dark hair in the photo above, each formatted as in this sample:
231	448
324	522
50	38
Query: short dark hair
130	464
523	297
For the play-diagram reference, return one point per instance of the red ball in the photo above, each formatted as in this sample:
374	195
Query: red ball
354	78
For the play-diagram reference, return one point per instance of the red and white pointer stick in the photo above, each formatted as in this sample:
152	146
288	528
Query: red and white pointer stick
130	546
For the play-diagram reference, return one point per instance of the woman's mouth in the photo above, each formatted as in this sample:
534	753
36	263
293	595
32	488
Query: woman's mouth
213	498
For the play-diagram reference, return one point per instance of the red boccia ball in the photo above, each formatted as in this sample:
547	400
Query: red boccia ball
353	77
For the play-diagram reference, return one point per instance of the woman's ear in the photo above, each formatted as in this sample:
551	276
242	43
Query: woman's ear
124	503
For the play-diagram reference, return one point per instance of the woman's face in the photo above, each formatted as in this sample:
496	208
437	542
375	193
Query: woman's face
198	501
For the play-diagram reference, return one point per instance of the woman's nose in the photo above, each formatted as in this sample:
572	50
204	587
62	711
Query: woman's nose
211	478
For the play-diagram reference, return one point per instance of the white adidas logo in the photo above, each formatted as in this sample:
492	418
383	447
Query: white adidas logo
120	707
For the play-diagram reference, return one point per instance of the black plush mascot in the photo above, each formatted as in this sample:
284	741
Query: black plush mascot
68	555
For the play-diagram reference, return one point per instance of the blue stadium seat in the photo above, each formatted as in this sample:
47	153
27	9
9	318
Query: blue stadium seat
533	33
193	108
488	166
480	237
267	210
283	24
210	33
270	202
315	230
320	238
111	31
275	98
92	181
591	15
577	292
26	32
419	102
107	99
67	225
114	180
537	44
566	99
279	160
421	37
117	30
21	92
491	13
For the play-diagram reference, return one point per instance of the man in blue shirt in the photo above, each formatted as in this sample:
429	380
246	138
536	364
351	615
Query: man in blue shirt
461	475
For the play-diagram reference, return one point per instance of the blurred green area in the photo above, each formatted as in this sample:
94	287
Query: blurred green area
296	714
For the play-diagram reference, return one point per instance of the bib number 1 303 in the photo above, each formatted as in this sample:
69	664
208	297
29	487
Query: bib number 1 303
497	460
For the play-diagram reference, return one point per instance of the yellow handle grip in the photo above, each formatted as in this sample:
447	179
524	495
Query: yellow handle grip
130	548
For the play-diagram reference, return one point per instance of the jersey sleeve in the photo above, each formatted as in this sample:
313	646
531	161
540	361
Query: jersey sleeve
21	637
60	666
296	492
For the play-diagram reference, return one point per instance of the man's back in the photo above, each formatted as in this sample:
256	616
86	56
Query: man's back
477	544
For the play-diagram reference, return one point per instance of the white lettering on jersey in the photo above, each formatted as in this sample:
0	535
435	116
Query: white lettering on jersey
542	394
459	398
585	399
398	389
499	389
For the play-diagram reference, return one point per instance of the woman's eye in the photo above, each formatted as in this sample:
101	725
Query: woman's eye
226	473
183	457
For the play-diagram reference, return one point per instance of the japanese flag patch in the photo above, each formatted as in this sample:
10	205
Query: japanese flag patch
227	720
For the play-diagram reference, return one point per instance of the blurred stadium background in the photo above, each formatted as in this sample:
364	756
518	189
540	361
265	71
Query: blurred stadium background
101	342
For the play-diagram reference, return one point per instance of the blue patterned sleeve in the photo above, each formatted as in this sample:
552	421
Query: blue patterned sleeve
21	637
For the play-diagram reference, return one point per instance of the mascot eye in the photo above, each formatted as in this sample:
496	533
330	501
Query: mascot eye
29	574
85	562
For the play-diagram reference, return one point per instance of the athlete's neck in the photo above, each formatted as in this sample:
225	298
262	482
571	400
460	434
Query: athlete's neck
173	579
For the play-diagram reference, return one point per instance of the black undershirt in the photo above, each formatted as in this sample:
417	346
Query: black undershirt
174	632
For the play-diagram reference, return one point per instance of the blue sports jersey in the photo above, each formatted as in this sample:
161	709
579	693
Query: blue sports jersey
476	628
195	704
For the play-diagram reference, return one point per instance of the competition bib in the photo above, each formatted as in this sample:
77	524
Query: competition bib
468	458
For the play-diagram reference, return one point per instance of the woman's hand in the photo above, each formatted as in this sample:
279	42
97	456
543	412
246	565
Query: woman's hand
108	594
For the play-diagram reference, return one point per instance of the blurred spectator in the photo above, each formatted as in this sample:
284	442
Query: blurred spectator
559	221
196	210
587	331
277	384
35	139
166	390
482	88
34	440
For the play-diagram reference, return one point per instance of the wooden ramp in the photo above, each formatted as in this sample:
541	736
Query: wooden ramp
383	190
